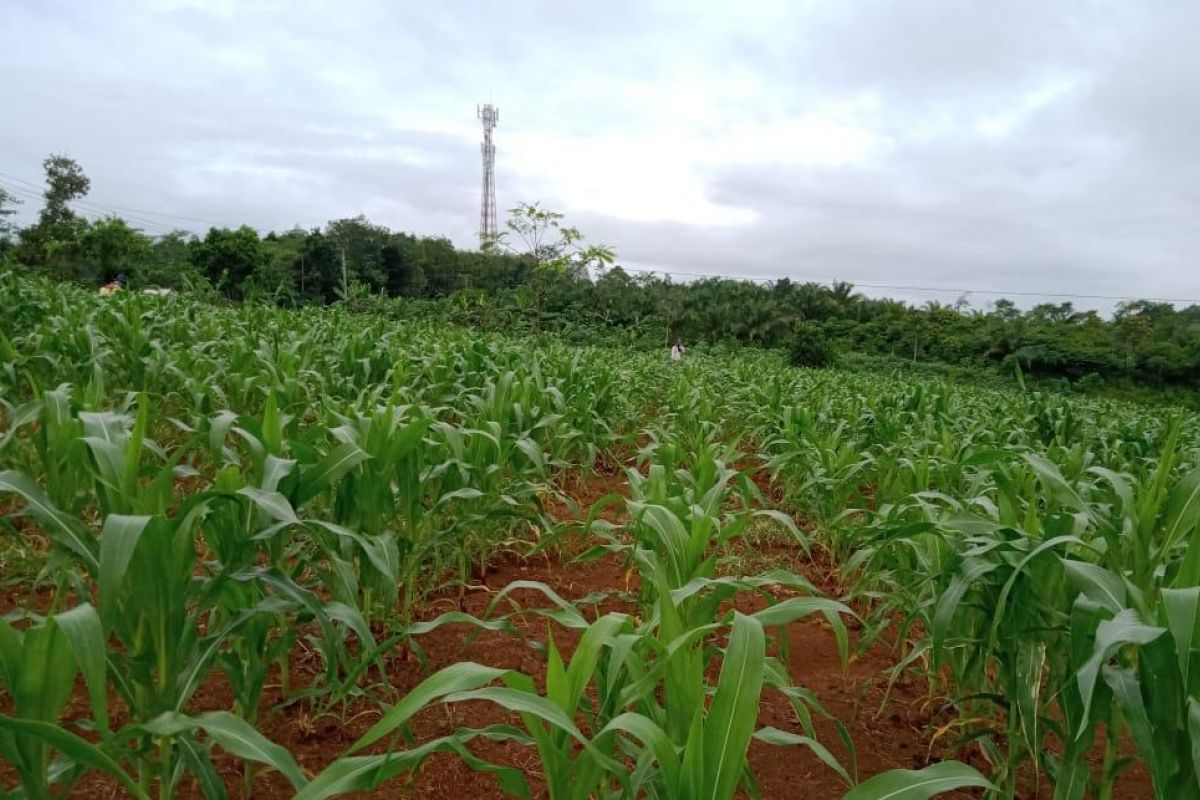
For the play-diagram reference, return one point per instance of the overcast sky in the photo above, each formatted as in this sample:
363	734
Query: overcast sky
1041	146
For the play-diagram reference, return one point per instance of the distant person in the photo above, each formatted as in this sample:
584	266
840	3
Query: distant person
114	286
677	351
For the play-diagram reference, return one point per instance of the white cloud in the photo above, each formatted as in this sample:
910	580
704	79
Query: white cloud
1006	121
1027	145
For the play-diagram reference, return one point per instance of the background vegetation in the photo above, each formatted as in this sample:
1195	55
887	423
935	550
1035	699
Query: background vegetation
540	277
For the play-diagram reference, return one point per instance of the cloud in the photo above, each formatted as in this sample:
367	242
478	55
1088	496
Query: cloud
1020	146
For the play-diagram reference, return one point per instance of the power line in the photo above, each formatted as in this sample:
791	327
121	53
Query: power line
35	193
15	179
906	287
89	209
107	207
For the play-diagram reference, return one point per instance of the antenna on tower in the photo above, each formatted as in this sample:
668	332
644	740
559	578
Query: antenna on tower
487	208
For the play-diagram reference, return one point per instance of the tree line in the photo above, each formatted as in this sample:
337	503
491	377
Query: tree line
540	276
293	267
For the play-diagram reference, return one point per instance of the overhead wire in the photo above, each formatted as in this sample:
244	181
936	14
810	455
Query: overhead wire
29	190
109	207
909	287
92	211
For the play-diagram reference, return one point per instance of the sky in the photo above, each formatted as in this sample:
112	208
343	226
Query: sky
1026	148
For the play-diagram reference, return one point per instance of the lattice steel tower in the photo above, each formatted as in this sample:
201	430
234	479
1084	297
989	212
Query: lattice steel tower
487	207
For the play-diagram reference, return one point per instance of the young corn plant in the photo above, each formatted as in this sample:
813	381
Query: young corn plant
38	668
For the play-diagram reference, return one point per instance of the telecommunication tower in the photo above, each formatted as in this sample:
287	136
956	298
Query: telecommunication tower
487	208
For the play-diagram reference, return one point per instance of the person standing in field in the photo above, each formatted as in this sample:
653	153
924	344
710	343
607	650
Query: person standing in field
114	286
677	351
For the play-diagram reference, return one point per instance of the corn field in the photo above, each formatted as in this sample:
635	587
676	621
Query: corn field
196	495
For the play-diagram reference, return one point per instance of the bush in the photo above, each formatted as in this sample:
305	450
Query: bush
810	346
1091	383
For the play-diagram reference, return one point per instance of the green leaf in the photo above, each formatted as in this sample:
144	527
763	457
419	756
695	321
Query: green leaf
1180	606
465	675
1097	583
779	738
1126	628
947	606
534	452
70	745
907	784
523	702
1055	484
326	472
118	541
734	711
1183	509
1128	694
1193	723
238	738
63	529
1031	660
795	608
365	773
82	628
273	504
653	737
272	427
202	769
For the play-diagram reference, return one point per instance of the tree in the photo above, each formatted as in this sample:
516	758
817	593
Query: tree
360	244
317	269
400	260
810	346
439	263
169	264
276	278
65	182
228	258
54	239
7	201
540	235
556	251
108	247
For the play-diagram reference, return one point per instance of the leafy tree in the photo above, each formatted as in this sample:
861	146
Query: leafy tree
439	262
228	259
555	250
540	235
317	269
65	182
7	202
360	243
109	247
810	346
53	241
400	260
275	279
169	264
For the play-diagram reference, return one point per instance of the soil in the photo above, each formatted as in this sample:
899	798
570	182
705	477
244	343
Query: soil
889	729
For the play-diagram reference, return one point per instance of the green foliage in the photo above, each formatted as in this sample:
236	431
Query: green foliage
229	483
232	260
232	484
65	182
111	247
7	201
810	346
539	275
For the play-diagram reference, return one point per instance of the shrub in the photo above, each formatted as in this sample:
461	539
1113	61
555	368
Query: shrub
810	346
